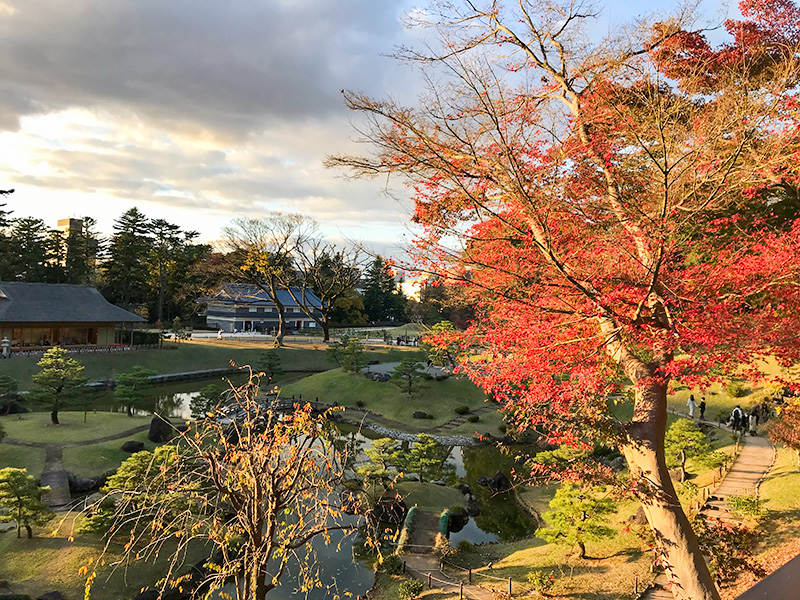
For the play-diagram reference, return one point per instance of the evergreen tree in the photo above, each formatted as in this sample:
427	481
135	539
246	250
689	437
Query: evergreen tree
28	249
22	498
126	271
133	388
6	271
59	380
407	375
383	299
83	248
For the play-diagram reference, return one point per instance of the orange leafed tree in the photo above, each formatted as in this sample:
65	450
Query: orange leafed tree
620	210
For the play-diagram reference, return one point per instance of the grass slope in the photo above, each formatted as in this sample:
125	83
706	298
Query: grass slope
198	355
437	398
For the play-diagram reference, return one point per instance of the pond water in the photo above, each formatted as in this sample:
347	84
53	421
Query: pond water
501	518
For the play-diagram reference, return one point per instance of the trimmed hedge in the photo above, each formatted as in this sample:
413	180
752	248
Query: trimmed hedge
406	529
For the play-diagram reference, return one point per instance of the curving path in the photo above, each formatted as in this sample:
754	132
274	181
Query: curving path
53	475
745	476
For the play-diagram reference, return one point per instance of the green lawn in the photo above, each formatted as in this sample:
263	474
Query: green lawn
198	355
22	457
52	562
36	426
428	495
437	398
780	495
96	459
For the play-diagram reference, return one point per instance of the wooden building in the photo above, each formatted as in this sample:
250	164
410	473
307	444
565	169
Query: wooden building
39	315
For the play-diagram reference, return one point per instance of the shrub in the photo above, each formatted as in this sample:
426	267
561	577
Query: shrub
541	581
392	564
442	377
462	410
360	403
473	418
735	389
465	546
408	590
749	505
502	427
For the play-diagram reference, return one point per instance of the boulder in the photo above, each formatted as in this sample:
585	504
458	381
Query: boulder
51	596
464	489
81	485
458	519
440	482
483	480
160	430
499	483
471	505
677	474
132	446
92	499
618	464
638	518
182	428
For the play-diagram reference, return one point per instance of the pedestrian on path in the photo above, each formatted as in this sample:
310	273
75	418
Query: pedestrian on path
702	408
736	418
692	404
753	422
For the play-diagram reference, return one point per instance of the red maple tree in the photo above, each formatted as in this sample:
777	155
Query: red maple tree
620	212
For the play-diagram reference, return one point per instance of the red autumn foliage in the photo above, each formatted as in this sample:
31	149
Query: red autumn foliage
617	213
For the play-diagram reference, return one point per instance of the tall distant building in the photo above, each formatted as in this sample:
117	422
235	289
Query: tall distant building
67	226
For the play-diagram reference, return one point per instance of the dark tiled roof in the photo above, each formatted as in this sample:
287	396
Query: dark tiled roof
58	303
245	293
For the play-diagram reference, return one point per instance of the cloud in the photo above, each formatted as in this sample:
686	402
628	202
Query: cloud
204	110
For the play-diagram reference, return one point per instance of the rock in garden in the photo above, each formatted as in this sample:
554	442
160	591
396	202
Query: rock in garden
471	505
51	596
464	489
638	518
132	446
92	499
618	464
80	485
182	428
677	474
499	483
160	430
483	480
420	415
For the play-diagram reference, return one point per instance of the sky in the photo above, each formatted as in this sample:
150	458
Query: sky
199	111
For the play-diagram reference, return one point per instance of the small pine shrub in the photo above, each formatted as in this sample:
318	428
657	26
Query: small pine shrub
392	564
408	590
465	546
461	410
749	505
360	403
541	581
473	418
735	389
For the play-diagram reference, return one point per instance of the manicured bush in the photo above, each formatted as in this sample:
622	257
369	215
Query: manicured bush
360	403
408	590
461	410
473	418
541	581
392	564
735	389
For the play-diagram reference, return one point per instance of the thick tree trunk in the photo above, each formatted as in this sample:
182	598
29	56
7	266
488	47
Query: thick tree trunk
681	555
54	416
326	330
30	531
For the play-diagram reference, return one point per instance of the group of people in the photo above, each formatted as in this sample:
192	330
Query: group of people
739	421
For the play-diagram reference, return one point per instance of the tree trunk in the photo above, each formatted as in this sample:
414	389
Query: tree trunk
580	550
54	415
681	555
281	325
326	330
30	531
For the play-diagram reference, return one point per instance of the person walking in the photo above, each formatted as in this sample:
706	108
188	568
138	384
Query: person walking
753	422
736	417
702	408
692	404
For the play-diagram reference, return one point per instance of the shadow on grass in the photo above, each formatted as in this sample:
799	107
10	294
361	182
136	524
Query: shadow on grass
777	526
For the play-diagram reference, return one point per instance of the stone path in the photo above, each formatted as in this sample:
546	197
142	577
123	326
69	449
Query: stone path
53	474
460	420
746	474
